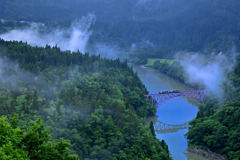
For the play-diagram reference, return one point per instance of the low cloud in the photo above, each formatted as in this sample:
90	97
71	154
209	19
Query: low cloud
105	50
210	73
75	38
142	45
12	77
17	79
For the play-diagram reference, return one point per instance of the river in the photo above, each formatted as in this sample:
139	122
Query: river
175	111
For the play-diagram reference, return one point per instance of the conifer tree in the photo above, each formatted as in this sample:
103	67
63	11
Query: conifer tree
127	103
152	129
35	100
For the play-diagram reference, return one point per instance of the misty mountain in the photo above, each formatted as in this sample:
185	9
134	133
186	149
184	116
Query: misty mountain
95	103
177	25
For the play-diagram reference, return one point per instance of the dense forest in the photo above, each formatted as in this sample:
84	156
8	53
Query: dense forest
216	126
190	25
176	71
95	107
96	104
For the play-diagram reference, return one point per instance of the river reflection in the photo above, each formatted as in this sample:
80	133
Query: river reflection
161	127
176	111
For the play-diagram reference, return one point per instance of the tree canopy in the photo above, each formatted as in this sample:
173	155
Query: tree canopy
191	25
30	142
96	103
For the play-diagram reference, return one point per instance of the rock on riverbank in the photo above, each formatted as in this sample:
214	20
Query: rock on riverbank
206	154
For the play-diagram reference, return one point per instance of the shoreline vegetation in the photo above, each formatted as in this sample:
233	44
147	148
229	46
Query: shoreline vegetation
217	124
98	104
151	61
171	68
206	154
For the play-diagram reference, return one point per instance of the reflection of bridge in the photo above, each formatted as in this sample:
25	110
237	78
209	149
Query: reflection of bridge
161	127
159	99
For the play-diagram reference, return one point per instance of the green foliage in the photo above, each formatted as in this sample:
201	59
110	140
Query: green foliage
220	132
152	129
174	70
171	25
216	127
97	104
30	143
151	61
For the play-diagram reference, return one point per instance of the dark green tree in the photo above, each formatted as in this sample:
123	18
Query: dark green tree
151	127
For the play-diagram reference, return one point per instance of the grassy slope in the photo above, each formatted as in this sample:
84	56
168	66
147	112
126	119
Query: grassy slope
152	60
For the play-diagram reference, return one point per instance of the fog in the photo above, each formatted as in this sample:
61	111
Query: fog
75	38
105	50
12	77
142	45
211	73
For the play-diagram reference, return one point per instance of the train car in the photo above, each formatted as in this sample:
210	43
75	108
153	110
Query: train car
171	91
163	92
176	91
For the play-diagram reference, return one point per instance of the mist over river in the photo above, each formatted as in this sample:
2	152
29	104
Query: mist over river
175	111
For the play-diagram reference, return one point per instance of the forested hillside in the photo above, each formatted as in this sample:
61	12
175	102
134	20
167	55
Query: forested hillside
191	25
96	103
216	126
30	142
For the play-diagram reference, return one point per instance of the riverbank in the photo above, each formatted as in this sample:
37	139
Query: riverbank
174	70
206	154
176	111
151	61
196	150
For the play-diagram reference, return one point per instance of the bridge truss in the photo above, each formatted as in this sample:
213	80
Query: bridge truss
159	99
161	127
